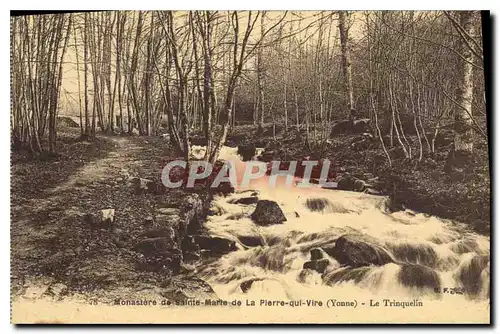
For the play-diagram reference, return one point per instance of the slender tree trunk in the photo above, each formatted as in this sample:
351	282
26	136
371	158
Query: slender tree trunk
86	71
346	63
260	72
79	86
463	115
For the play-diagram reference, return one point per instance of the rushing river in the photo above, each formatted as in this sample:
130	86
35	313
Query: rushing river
432	258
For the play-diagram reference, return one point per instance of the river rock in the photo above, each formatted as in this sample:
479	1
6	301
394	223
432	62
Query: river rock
161	262
416	253
251	240
316	254
189	243
246	285
317	265
417	276
349	250
215	245
191	256
172	221
246	200
268	213
469	273
216	210
344	274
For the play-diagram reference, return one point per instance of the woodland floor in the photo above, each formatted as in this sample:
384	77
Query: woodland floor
54	253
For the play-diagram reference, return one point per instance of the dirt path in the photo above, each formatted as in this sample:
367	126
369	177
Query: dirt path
54	253
124	154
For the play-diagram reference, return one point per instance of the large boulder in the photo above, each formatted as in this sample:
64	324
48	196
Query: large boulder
350	250
268	213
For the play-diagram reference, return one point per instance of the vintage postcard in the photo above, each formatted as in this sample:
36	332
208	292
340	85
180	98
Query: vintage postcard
244	167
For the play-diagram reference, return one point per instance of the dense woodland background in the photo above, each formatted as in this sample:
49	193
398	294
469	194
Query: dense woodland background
181	72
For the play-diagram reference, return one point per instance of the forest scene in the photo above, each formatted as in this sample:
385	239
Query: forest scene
396	101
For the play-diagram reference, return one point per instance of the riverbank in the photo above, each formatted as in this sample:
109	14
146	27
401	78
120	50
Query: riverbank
60	250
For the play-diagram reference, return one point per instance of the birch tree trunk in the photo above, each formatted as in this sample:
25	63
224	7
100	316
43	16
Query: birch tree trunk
463	115
346	62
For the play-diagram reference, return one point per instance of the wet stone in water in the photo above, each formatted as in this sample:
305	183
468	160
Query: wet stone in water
216	245
268	213
316	254
417	276
351	251
318	265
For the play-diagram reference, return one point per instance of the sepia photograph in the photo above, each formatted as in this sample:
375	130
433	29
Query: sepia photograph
250	167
